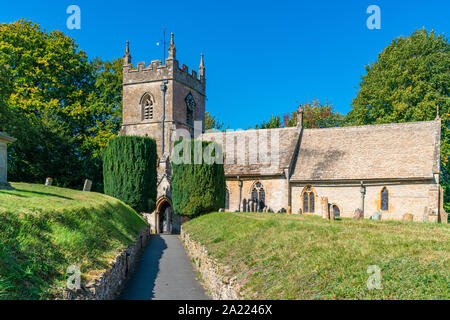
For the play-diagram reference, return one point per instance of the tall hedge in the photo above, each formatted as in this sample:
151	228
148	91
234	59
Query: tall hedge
197	188
129	171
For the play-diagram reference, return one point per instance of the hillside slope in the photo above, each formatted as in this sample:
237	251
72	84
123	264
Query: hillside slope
44	230
280	256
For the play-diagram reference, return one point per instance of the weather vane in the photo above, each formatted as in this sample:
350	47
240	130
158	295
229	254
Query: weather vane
164	44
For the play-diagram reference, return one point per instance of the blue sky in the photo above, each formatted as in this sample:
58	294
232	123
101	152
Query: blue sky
262	57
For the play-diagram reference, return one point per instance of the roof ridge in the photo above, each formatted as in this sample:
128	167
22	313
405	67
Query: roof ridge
392	124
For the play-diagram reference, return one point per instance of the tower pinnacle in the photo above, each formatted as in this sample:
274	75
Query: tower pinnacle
127	56
172	50
201	69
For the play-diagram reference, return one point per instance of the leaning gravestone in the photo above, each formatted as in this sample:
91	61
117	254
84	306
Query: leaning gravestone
87	185
4	141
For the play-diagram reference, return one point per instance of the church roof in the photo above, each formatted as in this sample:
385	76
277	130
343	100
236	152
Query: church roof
256	152
385	151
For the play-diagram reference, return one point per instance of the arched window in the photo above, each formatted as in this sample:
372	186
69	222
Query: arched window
259	196
227	199
147	107
384	199
308	200
190	107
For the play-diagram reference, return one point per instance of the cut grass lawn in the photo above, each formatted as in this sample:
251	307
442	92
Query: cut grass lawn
44	230
279	256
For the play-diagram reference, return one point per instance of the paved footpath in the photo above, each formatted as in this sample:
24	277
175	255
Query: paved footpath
164	272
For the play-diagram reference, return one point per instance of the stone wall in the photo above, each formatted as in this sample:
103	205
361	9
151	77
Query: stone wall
215	276
108	285
404	197
276	192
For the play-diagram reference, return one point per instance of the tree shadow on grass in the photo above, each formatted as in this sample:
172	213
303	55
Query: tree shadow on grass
43	194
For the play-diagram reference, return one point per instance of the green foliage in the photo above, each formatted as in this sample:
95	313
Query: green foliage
197	188
273	123
408	81
129	171
212	123
44	230
295	257
61	107
316	115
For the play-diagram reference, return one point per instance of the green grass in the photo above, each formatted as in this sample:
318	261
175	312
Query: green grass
279	256
43	230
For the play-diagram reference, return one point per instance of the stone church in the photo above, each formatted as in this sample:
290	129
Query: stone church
388	170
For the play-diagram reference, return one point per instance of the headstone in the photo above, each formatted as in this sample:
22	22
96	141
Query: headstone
408	217
221	210
376	216
48	181
325	208
358	214
87	185
250	205
331	214
425	215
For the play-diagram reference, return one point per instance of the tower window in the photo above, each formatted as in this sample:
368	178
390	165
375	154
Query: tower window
190	107
147	107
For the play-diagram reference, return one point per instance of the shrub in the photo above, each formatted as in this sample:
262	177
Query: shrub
197	188
129	171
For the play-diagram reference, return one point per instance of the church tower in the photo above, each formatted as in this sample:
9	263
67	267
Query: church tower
159	99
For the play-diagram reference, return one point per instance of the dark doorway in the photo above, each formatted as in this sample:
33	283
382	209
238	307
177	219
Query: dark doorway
164	218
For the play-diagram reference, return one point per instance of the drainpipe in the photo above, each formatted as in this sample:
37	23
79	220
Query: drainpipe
240	193
363	193
163	119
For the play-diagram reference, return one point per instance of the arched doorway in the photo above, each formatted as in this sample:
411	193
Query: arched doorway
335	211
164	215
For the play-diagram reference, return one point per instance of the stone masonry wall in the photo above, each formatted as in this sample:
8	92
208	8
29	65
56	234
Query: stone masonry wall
109	284
276	192
214	275
403	198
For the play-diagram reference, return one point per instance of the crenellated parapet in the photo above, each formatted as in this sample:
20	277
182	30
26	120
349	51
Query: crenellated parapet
170	70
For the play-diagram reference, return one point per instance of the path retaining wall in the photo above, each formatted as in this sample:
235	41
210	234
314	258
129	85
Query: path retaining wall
108	285
214	275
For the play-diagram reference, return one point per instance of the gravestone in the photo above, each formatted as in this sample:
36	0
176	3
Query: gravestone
4	141
325	208
358	214
376	216
408	217
87	185
425	215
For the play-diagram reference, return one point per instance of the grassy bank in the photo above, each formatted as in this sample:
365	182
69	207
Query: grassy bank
279	256
43	230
